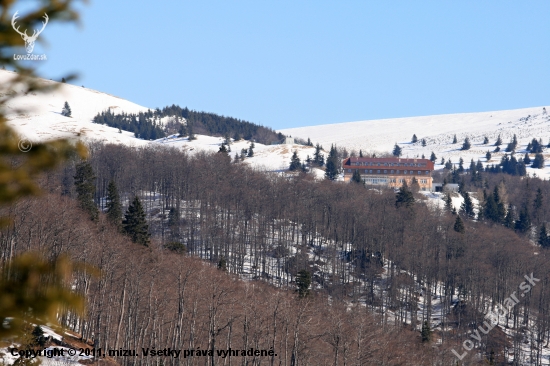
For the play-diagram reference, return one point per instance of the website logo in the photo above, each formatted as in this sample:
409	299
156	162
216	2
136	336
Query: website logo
29	40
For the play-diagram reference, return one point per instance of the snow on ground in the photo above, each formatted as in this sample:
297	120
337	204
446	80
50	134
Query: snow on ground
42	121
439	130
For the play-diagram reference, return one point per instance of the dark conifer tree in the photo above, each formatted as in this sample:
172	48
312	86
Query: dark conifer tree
356	177
426	332
488	156
404	196
360	153
433	158
467	207
222	264
251	149
485	140
318	158
331	171
114	207
396	150
448	202
459	225
84	182
424	143
461	165
466	145
538	162
135	224
295	163
455	139
523	223
414	139
303	281
498	141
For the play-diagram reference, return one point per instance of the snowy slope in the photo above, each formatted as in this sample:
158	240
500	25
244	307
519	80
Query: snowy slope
438	130
42	120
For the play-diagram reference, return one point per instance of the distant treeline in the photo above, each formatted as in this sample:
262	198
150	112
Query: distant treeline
186	122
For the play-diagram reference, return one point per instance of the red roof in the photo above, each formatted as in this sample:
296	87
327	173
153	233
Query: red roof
349	162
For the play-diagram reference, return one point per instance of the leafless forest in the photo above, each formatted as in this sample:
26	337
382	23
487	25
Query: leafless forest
375	266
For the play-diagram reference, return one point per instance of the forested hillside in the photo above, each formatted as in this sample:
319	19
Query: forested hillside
416	266
159	123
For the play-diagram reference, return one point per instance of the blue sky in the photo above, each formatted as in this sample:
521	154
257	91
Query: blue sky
295	63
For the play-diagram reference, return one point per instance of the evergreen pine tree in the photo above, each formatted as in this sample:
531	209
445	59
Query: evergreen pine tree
414	139
467	207
523	223
251	149
461	165
222	264
66	111
173	217
448	202
488	156
485	140
404	196
455	140
331	171
84	182
303	281
424	143
63	80
459	225
396	150
426	332
360	153
498	142
356	177
318	158
114	207
442	161
538	162
295	163
135	224
466	145
433	158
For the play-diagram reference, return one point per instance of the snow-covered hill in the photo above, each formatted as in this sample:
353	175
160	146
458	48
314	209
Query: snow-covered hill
439	130
42	120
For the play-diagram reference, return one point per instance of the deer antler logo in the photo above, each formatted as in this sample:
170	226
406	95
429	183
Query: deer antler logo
29	41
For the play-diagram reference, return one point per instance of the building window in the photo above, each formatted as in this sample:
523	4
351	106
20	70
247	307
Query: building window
349	170
419	172
385	172
378	171
370	171
404	171
427	172
392	171
366	171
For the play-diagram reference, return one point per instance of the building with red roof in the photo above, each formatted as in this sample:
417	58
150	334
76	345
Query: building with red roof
390	172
